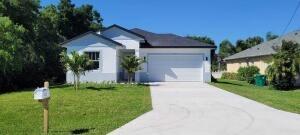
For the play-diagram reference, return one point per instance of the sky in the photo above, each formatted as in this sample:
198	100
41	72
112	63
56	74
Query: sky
218	19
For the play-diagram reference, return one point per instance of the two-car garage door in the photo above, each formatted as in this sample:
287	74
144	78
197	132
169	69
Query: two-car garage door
175	67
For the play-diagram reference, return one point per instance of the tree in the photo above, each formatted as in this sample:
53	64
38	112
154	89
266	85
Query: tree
46	34
87	19
74	21
44	28
77	64
131	64
11	58
241	45
226	49
66	16
285	66
21	12
252	41
271	36
203	39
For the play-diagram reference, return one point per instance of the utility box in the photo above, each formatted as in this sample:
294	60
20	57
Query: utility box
41	93
260	80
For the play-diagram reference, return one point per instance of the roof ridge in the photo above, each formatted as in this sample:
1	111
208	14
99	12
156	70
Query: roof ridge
124	29
261	45
90	32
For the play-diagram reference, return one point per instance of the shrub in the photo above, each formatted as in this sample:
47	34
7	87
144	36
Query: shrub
247	73
285	66
230	76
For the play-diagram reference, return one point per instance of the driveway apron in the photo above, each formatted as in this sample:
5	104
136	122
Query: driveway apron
193	108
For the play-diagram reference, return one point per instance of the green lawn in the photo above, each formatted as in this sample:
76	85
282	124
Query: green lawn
91	110
283	100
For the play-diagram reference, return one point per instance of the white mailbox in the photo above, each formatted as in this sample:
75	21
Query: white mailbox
41	93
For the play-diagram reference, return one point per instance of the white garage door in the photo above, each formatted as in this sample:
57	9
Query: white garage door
175	67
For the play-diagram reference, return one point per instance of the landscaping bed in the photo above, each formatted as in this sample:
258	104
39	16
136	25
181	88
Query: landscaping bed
283	100
93	109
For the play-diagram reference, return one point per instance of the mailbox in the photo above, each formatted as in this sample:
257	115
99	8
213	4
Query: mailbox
41	93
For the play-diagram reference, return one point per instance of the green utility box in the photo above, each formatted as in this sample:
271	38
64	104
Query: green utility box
260	80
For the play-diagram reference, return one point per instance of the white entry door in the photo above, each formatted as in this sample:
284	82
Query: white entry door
175	67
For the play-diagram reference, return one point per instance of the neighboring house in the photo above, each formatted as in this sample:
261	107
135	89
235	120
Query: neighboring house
168	57
259	55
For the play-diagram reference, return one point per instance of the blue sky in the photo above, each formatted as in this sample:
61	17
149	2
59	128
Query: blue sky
218	19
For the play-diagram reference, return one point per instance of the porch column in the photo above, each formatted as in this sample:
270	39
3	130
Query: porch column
137	74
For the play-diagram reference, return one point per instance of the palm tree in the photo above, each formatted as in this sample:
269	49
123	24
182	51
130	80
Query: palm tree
76	63
131	64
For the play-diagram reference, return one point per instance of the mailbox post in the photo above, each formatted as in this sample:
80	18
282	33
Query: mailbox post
43	96
46	109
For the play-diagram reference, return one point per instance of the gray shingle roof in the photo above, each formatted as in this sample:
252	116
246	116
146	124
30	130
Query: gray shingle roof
266	48
154	40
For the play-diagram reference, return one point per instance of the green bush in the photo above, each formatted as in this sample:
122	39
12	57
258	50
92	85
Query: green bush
230	76
285	66
247	73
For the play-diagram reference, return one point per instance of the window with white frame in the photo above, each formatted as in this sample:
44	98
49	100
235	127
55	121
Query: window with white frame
95	58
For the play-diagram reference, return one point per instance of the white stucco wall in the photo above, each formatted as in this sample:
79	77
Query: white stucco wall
108	54
143	52
129	40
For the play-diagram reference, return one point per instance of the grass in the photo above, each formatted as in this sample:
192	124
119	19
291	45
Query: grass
90	110
283	100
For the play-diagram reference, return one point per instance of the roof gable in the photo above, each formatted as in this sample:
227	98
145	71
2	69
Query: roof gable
66	43
117	32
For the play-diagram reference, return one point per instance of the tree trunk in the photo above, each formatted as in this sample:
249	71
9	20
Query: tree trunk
78	81
129	78
74	81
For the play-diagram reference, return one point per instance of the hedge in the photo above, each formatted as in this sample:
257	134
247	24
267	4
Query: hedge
247	73
230	76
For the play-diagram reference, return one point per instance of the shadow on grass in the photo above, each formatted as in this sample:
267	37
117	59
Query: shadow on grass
17	90
100	88
33	88
61	86
76	131
221	82
81	130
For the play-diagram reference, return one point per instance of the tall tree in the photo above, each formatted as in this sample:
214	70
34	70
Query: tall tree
285	65
66	18
271	36
21	12
241	45
48	38
74	21
203	39
252	41
87	19
11	50
44	28
226	49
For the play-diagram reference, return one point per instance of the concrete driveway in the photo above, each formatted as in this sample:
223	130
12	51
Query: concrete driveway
190	108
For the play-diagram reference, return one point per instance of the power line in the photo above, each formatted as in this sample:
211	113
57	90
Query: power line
291	19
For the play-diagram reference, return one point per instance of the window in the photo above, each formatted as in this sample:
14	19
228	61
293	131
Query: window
95	58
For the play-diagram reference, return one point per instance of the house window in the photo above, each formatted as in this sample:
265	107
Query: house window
95	58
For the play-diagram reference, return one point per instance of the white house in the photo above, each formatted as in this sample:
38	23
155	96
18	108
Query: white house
168	57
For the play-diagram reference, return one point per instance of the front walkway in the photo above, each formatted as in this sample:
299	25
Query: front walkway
192	108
